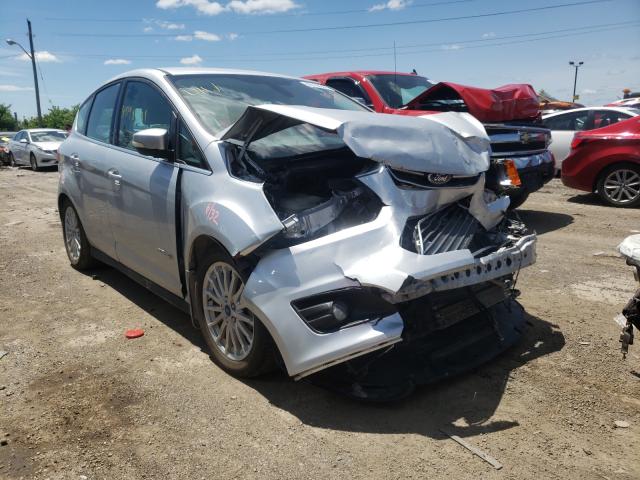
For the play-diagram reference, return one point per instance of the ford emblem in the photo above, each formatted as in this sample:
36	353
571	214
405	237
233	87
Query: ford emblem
439	178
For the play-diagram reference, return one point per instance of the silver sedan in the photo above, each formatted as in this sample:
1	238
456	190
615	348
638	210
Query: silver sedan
36	147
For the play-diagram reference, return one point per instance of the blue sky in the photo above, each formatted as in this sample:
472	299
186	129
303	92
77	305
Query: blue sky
82	43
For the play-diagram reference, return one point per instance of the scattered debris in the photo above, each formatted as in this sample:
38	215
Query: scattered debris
4	442
606	254
134	333
585	343
475	450
586	451
12	224
3	353
621	424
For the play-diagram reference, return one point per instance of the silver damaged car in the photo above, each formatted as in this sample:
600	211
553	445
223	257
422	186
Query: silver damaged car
294	226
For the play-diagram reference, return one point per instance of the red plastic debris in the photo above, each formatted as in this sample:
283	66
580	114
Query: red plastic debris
134	333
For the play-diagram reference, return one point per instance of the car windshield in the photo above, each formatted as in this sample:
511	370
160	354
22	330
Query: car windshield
49	136
398	90
219	100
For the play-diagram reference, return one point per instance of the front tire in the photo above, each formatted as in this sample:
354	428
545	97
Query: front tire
619	185
240	344
75	240
12	160
33	162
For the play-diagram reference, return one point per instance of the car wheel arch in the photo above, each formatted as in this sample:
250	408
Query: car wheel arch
610	163
198	250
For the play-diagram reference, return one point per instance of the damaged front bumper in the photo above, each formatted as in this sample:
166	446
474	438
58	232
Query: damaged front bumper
370	260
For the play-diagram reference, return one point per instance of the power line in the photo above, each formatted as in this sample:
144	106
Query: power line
484	43
350	27
293	14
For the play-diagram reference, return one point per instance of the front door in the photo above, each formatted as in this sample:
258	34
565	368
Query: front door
144	188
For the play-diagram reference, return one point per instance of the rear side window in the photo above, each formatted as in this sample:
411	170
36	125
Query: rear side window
604	118
142	107
100	118
573	121
81	118
349	88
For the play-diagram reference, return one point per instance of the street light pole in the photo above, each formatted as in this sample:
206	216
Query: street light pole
32	56
575	65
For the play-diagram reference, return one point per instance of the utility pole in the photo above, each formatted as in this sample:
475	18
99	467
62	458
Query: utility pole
575	65
32	56
35	73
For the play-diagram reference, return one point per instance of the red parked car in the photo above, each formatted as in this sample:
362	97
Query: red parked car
607	161
521	162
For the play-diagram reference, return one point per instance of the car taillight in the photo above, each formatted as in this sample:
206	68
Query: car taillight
577	141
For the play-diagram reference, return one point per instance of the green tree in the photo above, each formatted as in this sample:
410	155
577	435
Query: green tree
58	117
7	122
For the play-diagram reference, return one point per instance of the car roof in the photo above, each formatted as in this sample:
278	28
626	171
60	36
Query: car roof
44	130
156	73
629	110
364	73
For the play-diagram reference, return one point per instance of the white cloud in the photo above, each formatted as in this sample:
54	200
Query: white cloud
184	38
202	6
489	35
169	25
206	36
453	46
247	7
390	5
232	36
192	60
589	91
42	56
13	88
263	6
147	29
117	61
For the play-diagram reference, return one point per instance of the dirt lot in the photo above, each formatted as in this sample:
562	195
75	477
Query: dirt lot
77	400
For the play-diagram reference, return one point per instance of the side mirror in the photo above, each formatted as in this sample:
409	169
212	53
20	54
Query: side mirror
24	140
152	141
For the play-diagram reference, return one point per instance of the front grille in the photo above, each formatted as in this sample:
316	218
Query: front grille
512	140
410	179
446	230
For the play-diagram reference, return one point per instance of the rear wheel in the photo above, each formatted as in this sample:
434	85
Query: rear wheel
75	240
619	185
34	162
240	344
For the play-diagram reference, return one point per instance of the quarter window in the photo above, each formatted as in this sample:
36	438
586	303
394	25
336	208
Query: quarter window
188	150
142	107
349	88
100	118
81	118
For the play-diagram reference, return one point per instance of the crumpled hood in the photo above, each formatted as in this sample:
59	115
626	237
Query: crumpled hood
516	101
447	143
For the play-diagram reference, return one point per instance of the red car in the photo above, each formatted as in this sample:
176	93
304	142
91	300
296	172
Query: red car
607	161
521	162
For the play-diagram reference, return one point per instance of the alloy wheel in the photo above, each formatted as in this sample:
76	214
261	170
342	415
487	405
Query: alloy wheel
229	322
622	186
72	237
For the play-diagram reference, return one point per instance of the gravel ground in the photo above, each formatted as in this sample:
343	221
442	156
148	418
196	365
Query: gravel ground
78	400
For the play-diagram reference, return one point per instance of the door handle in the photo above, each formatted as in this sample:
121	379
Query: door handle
114	175
75	162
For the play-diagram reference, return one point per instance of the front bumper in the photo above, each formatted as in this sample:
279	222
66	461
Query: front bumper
361	256
46	158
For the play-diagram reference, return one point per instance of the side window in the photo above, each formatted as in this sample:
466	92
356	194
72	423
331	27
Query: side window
81	117
99	124
188	150
349	88
142	107
604	118
568	121
18	136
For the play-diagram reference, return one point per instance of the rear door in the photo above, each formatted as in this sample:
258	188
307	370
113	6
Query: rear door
17	148
563	127
143	205
89	161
